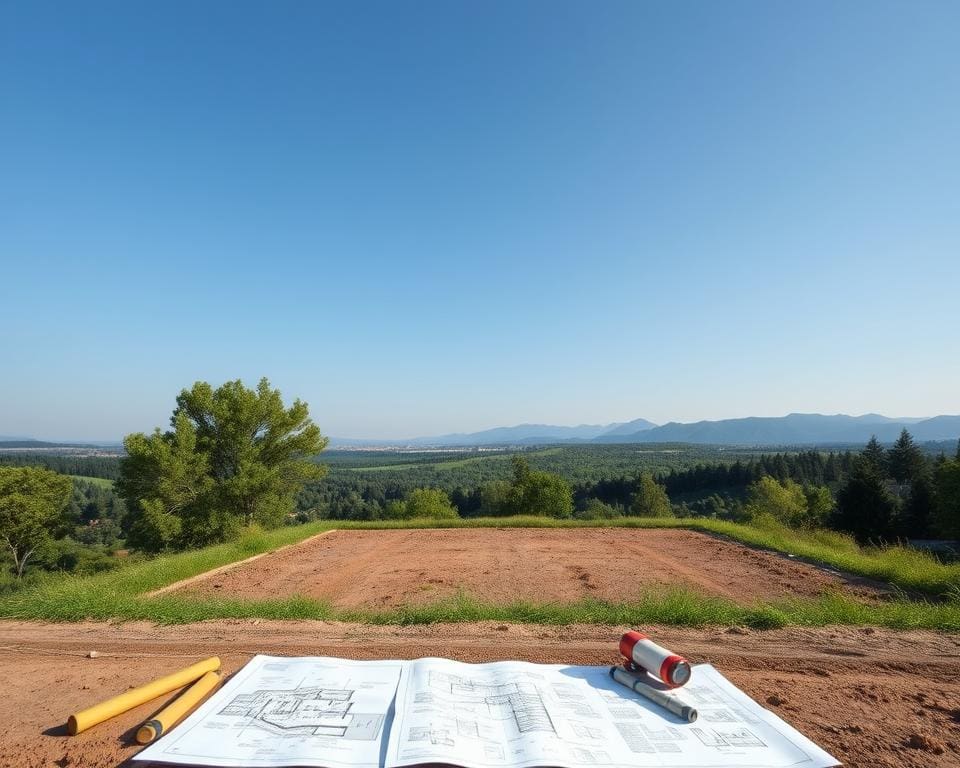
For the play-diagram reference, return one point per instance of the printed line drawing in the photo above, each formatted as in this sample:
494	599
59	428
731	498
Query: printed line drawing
518	700
312	711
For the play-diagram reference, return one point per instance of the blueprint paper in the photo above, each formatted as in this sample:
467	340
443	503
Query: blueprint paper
311	711
519	715
334	713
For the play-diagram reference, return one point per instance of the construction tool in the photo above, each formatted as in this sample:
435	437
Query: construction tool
666	700
672	670
87	718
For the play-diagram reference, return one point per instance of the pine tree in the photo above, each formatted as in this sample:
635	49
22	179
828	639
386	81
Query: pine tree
865	507
905	460
919	509
876	456
947	511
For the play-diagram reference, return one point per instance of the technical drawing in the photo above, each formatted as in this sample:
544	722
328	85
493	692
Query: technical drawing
740	737
590	756
572	700
433	735
584	731
312	711
518	700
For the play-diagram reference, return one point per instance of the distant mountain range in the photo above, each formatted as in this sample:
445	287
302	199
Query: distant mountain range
794	429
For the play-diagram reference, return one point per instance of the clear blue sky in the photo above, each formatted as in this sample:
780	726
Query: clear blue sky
429	217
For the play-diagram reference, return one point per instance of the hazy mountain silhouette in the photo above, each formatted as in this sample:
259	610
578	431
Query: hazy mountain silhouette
795	429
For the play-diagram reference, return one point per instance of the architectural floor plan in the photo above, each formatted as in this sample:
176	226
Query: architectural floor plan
278	712
311	711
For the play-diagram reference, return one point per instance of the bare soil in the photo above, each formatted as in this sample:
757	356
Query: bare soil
387	568
873	698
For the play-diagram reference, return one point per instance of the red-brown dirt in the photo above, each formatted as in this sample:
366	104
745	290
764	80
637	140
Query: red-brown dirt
387	568
873	698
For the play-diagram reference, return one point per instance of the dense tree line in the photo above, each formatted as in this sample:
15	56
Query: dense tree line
804	467
900	493
97	513
51	522
106	467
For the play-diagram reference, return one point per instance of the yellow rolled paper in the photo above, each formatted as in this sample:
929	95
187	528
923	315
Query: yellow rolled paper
137	696
174	713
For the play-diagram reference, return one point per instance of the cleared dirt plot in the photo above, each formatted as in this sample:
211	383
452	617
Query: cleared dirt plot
388	568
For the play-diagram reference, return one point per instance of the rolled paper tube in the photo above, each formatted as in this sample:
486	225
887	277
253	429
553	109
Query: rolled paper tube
177	710
666	666
134	698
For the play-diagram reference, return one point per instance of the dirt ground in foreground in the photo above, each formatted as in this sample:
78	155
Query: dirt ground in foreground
872	698
387	568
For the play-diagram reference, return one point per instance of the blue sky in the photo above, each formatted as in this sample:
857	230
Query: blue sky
430	217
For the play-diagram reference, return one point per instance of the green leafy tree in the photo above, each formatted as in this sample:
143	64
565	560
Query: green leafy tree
905	460
820	505
429	502
233	457
946	516
876	456
865	507
770	499
32	504
495	498
597	510
650	499
167	480
395	510
538	493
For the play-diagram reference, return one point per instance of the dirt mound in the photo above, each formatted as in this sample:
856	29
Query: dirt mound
384	568
873	698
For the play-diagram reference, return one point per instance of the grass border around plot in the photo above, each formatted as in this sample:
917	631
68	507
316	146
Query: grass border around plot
676	607
121	594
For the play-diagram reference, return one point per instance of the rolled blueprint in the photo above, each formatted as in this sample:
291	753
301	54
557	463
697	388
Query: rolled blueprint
137	696
176	711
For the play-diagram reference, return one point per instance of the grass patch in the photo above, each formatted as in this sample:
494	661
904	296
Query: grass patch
903	567
677	607
120	594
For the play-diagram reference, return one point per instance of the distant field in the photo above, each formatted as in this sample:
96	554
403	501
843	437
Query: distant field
445	462
102	482
575	463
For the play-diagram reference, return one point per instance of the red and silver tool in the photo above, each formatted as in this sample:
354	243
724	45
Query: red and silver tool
641	651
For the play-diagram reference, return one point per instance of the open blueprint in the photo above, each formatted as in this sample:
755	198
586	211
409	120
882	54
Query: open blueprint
276	711
388	714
